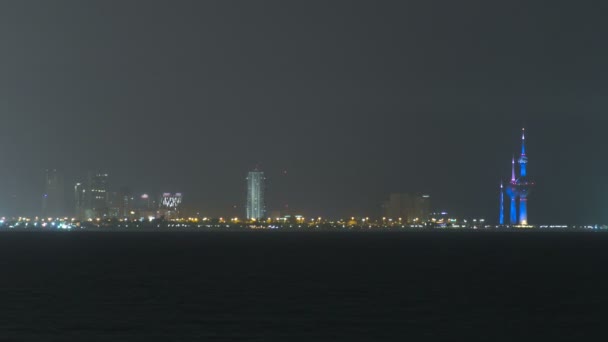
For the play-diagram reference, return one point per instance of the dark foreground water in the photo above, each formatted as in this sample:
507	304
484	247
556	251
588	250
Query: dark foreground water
303	286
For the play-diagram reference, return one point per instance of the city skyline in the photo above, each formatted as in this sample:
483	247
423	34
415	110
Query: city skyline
344	170
238	209
374	211
354	102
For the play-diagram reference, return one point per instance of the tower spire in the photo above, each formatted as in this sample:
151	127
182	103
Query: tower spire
523	141
523	183
523	159
513	169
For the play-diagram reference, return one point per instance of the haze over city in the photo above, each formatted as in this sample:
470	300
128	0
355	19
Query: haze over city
339	103
303	170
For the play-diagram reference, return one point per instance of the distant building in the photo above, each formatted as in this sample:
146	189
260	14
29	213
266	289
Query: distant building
275	214
98	195
125	202
80	195
120	203
407	208
113	205
53	199
145	202
256	208
422	207
170	204
145	205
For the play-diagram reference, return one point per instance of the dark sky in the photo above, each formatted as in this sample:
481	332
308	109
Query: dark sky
355	99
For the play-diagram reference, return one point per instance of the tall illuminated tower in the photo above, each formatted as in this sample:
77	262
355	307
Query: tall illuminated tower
518	188
523	183
501	217
512	191
255	195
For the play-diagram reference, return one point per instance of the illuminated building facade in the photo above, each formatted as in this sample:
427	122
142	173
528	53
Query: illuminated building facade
170	204
256	208
518	188
169	200
98	195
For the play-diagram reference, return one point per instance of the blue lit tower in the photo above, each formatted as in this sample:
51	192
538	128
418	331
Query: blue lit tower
523	160
512	192
501	217
523	183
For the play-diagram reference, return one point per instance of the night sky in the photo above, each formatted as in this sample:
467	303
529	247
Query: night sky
354	99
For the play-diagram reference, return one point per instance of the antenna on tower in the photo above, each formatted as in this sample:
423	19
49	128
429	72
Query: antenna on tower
523	141
513	169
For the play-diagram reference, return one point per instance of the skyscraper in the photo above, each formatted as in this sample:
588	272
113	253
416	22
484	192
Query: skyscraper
125	201
80	194
53	199
97	195
422	207
170	204
255	195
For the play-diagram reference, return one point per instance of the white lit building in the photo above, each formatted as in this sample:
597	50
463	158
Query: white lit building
255	195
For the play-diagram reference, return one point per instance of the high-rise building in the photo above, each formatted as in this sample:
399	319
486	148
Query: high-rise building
145	202
98	195
53	199
120	203
146	206
422	207
113	204
255	195
126	201
80	195
170	204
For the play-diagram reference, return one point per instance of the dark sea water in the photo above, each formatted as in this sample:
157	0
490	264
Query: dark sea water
278	286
